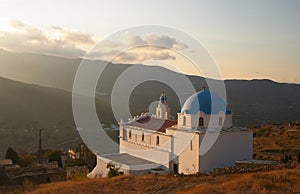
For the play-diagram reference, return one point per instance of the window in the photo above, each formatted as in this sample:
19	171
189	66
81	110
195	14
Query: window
143	137
157	140
201	121
183	121
191	145
175	168
220	121
125	135
130	134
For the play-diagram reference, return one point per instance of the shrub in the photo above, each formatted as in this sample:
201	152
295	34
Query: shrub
113	170
27	184
54	155
81	175
75	162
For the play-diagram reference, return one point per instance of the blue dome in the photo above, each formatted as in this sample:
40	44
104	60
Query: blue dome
202	102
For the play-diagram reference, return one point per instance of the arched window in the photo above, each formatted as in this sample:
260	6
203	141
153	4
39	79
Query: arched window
183	120
157	140
130	134
220	121
143	137
201	122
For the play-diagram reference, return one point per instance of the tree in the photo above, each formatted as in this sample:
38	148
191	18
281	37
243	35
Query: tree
13	155
75	162
54	155
113	170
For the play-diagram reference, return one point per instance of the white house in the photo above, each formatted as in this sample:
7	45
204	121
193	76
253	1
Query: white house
202	138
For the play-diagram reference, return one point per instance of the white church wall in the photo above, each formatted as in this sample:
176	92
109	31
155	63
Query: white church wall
228	120
100	169
188	122
179	119
184	120
229	147
132	145
188	160
150	137
152	154
192	120
214	120
162	111
136	147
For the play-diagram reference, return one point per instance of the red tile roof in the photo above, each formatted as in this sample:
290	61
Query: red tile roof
154	124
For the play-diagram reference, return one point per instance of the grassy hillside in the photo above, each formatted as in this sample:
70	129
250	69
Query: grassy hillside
277	181
276	142
283	179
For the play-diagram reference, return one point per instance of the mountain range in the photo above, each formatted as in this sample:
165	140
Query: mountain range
36	93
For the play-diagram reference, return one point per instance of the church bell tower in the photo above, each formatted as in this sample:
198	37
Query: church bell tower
162	109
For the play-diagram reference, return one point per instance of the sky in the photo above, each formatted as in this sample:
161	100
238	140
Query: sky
249	39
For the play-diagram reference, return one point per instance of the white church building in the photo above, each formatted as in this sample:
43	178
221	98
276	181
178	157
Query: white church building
201	139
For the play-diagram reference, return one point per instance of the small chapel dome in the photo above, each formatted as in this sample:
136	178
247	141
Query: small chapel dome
202	102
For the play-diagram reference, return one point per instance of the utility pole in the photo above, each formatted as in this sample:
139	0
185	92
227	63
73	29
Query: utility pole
40	147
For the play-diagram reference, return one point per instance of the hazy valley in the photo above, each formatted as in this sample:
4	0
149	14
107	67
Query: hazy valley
46	102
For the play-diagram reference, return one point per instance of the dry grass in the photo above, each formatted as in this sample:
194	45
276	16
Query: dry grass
278	181
270	137
271	141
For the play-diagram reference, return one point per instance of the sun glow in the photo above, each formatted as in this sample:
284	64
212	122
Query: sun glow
5	24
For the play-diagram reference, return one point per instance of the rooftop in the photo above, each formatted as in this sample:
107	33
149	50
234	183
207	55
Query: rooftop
154	124
6	162
127	159
267	162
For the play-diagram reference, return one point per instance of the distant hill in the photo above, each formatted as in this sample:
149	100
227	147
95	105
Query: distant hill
263	101
46	103
28	106
39	69
25	108
252	102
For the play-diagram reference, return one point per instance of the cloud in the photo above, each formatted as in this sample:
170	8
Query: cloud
150	47
53	40
73	36
165	40
141	54
16	24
